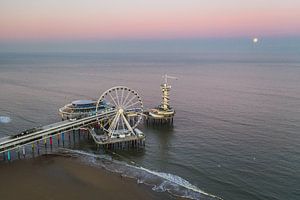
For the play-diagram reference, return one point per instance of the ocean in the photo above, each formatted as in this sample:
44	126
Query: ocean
236	129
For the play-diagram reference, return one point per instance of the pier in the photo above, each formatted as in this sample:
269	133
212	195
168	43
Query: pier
117	113
111	121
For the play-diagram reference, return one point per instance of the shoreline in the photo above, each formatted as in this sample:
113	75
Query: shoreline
62	177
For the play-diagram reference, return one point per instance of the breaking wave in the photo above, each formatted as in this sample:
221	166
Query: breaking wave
5	119
160	181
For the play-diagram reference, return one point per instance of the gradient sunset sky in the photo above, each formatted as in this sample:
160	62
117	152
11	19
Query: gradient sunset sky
143	19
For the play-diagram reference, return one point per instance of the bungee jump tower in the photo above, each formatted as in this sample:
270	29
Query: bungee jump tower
164	113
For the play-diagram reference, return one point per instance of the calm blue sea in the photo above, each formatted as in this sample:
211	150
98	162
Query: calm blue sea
236	133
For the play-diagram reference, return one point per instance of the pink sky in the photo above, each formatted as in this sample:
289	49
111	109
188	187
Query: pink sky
129	19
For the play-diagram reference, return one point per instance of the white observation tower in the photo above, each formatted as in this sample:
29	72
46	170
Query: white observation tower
164	111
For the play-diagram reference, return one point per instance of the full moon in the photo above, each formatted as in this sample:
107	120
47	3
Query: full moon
255	40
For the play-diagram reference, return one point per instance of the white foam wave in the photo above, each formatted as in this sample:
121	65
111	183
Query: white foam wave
160	181
5	119
64	150
178	181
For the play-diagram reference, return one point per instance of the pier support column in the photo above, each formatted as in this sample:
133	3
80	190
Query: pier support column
51	142
58	135
19	156
69	137
63	138
8	156
32	150
74	137
24	152
38	147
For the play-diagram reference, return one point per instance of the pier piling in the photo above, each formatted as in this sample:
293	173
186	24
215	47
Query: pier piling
24	152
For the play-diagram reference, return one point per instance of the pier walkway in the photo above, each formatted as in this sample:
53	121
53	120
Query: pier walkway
14	142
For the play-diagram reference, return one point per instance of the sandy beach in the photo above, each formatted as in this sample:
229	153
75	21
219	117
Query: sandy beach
57	177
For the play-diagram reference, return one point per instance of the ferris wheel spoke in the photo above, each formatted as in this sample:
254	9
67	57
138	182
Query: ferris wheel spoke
122	95
113	99
117	97
114	123
128	93
117	124
135	103
123	126
130	101
127	124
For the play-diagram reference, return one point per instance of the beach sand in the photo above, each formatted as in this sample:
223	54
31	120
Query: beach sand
56	177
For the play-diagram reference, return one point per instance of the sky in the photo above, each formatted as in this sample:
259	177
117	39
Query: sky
34	20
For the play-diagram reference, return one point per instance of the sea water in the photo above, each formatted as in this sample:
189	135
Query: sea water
237	124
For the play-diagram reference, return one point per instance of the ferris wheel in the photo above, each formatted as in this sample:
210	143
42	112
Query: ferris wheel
128	107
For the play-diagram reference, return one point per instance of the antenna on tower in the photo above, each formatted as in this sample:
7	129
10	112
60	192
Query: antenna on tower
166	77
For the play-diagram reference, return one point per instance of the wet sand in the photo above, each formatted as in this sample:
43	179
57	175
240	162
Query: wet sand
56	177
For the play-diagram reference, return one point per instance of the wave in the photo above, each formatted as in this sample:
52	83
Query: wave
160	181
5	119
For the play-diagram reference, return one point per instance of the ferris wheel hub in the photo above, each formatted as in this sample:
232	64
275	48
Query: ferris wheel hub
121	110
